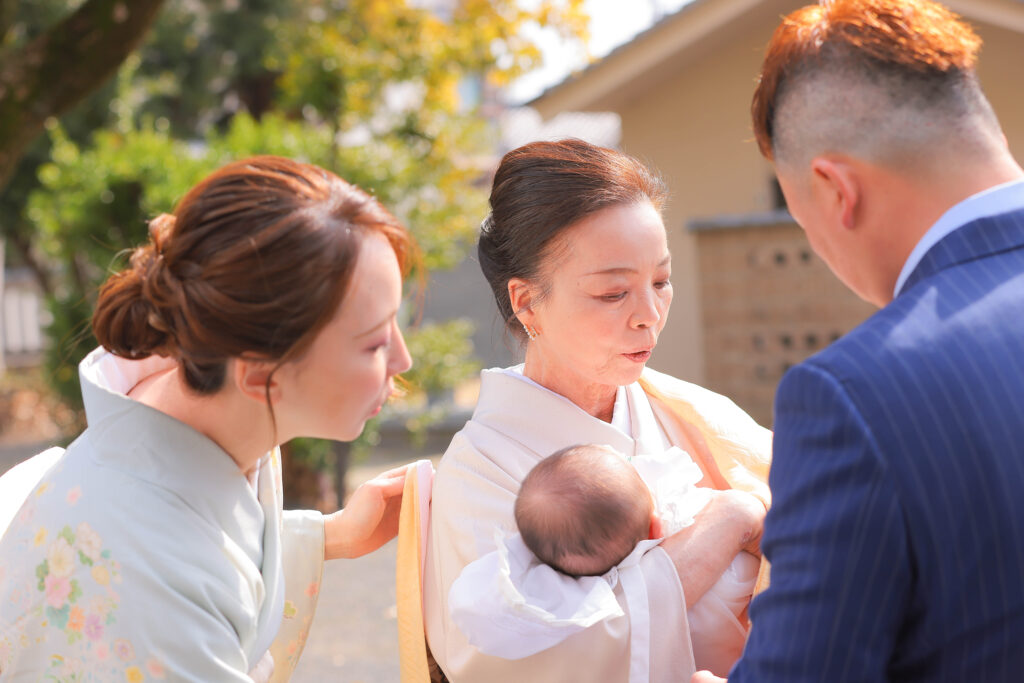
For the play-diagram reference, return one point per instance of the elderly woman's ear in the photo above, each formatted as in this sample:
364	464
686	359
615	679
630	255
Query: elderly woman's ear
522	296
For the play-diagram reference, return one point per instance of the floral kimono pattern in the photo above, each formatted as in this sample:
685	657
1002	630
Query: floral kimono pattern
143	554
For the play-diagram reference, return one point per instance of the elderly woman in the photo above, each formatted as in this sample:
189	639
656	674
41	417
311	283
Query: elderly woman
576	253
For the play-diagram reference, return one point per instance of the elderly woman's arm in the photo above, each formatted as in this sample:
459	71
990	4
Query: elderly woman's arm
730	523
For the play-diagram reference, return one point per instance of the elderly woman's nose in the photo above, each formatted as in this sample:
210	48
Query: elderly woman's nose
648	311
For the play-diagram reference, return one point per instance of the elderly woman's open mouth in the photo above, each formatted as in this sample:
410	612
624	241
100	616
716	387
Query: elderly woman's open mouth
641	356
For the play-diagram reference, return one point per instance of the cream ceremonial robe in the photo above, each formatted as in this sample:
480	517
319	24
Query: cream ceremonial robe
515	424
143	553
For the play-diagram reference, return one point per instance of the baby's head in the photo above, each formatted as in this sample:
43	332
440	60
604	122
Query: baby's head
583	509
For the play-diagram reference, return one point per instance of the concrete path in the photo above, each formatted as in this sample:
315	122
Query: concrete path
354	638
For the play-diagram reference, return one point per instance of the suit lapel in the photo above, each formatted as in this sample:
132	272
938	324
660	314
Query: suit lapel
977	239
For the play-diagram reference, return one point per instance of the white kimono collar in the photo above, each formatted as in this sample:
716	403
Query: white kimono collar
510	402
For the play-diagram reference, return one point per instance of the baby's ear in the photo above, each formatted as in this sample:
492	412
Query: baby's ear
656	527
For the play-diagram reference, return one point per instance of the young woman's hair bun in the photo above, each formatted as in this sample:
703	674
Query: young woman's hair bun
126	320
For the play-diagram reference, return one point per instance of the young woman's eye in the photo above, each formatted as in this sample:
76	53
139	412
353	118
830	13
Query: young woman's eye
379	346
617	296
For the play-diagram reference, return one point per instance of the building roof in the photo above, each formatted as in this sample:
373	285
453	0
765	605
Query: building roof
695	29
521	125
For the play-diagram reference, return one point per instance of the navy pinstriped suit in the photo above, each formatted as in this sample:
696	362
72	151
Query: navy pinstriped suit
897	531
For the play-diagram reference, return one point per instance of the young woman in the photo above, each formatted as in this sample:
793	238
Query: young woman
262	310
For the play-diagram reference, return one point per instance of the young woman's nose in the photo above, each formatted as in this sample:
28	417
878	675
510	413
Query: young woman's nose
399	359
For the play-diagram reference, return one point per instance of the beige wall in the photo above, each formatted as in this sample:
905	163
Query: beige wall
693	126
767	303
1001	71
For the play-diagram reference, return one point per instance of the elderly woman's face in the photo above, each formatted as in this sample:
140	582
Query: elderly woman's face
609	295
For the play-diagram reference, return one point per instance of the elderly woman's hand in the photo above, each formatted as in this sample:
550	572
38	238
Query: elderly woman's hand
731	523
749	512
369	520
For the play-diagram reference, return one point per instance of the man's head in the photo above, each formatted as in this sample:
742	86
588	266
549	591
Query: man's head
583	509
858	101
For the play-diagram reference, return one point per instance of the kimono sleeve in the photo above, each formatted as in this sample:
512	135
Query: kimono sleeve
206	650
302	558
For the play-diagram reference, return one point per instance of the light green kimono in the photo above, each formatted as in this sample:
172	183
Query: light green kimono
143	553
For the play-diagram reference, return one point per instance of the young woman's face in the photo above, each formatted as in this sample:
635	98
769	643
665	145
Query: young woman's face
609	296
347	373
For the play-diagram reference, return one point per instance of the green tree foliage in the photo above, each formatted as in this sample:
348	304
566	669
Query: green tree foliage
44	73
371	89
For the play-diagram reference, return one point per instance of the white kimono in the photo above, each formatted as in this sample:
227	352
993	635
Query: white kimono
515	424
143	553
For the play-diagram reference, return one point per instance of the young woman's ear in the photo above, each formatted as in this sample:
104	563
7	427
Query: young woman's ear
251	378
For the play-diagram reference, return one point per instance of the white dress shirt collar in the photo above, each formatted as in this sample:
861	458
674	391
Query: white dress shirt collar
991	202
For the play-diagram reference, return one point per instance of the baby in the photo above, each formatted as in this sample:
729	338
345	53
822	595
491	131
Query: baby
585	508
582	512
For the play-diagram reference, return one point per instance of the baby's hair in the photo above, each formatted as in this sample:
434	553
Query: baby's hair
583	509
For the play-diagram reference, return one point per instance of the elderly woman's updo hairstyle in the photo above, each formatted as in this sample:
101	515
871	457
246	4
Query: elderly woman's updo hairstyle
542	188
253	263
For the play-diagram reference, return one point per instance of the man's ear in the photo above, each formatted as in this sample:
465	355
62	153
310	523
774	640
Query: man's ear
836	184
250	377
521	296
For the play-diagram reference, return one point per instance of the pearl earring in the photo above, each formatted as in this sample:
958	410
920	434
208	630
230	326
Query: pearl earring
530	332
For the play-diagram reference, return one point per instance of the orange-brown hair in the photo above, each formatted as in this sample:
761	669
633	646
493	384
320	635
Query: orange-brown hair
254	262
903	37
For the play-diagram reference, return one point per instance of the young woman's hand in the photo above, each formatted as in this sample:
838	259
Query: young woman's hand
369	520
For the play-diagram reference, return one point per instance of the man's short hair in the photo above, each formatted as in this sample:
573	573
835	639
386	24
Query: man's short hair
862	76
583	509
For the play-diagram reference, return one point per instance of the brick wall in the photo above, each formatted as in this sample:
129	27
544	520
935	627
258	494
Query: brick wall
768	302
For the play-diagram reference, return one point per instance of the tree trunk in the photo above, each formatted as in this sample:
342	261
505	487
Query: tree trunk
62	66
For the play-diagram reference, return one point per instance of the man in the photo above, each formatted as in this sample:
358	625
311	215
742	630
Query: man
896	534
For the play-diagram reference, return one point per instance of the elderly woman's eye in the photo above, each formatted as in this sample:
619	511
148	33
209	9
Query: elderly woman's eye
618	296
662	284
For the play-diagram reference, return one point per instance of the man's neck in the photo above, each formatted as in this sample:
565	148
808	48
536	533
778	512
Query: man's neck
929	199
